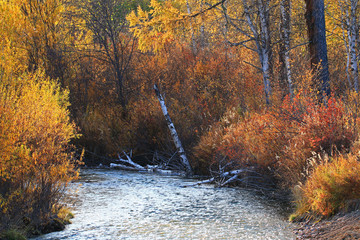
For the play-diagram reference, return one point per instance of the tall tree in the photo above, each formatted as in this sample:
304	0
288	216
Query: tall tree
40	32
257	29
112	45
315	20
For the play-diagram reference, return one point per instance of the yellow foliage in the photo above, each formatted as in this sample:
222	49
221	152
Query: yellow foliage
167	21
158	26
35	158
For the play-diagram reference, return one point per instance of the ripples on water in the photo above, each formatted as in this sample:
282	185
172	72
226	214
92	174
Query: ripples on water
111	204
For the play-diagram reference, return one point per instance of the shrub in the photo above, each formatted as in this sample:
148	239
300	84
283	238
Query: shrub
311	127
331	186
256	140
109	129
281	138
36	160
207	150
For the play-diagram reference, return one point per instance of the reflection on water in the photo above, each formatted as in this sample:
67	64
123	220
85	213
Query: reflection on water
112	204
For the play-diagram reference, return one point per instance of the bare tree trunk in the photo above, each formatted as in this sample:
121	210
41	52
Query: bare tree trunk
353	35
285	10
350	31
202	28
262	40
344	28
266	50
266	74
193	42
185	162
315	20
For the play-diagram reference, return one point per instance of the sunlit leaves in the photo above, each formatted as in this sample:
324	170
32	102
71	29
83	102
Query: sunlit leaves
158	26
35	145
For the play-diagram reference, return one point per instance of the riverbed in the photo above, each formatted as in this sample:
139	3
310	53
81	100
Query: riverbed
112	204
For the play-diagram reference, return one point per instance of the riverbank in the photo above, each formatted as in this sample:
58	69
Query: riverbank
28	230
340	226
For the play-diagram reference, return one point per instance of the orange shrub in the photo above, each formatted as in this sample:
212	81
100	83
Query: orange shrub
312	128
207	152
256	140
281	138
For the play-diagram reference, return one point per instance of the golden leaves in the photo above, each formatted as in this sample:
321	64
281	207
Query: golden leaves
159	26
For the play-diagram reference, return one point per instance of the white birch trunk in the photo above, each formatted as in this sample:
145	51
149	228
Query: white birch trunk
265	46
266	74
263	41
350	27
353	38
184	161
285	9
193	42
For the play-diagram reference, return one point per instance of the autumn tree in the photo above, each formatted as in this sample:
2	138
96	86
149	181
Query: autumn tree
112	45
254	27
44	37
36	161
36	158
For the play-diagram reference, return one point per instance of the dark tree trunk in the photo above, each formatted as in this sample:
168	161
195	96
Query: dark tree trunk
315	20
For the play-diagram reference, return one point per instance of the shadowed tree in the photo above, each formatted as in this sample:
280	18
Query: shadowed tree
315	20
112	45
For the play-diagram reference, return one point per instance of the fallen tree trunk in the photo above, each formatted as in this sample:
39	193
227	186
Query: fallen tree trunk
123	167
225	178
184	161
127	164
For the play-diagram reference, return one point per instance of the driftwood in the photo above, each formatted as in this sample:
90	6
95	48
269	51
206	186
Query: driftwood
225	178
184	161
127	164
159	170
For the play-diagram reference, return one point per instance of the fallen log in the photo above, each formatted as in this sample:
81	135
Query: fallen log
129	161
123	167
167	172
224	179
127	164
211	180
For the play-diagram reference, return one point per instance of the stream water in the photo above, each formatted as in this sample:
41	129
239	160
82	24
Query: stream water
112	204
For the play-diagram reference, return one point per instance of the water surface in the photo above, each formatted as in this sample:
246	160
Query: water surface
111	204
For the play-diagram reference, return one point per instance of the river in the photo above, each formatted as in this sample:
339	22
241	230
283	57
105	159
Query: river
112	204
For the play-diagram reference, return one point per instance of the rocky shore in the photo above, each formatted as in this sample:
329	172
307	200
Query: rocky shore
344	226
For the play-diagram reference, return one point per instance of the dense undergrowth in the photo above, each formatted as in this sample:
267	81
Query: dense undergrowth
223	120
306	146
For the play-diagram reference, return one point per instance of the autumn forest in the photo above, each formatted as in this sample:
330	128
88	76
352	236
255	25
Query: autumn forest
270	88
